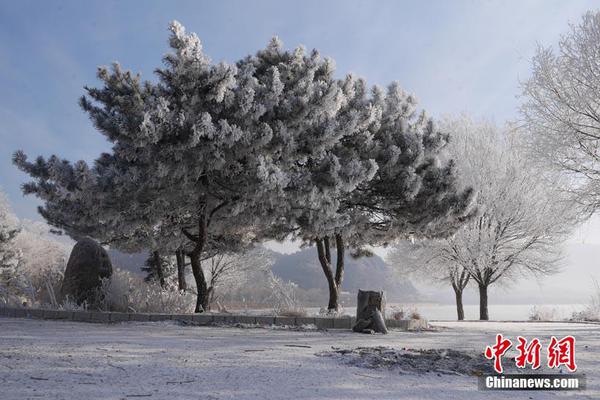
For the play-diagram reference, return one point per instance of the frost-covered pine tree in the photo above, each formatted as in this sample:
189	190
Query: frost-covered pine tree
205	154
315	213
415	191
385	179
12	282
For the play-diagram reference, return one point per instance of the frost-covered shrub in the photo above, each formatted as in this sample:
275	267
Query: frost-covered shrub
324	312
70	304
14	286
261	289
401	313
126	292
294	312
284	297
539	313
592	311
46	285
415	314
32	263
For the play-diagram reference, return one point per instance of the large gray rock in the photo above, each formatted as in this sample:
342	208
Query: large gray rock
87	265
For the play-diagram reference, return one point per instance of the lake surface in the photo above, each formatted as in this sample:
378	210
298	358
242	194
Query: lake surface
498	312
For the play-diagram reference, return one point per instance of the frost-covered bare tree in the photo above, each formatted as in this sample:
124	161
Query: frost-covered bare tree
521	221
13	284
43	260
417	259
561	110
231	270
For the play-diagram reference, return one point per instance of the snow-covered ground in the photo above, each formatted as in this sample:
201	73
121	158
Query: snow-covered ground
163	360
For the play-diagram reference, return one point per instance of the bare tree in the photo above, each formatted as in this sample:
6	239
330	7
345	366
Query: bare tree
562	108
417	259
522	219
231	270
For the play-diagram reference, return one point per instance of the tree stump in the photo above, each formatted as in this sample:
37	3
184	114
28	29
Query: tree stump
370	312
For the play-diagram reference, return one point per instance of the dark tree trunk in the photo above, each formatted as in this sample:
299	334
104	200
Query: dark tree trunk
333	297
339	271
201	286
483	303
334	282
180	256
195	259
459	304
159	270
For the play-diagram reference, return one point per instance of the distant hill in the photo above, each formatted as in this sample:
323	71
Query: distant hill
303	268
130	262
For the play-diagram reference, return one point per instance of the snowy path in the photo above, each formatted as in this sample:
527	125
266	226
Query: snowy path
68	360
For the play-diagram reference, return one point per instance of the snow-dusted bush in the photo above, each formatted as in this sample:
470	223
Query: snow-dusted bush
284	297
126	292
592	311
403	313
14	287
45	286
324	312
539	313
226	273
43	261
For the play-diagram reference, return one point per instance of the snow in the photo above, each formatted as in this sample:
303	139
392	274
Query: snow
165	360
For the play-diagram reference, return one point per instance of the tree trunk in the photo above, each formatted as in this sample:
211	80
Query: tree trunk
195	256
459	305
324	259
483	303
180	256
333	297
159	270
339	271
201	285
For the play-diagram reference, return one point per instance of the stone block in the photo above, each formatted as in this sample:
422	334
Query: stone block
182	317
305	321
82	316
202	319
265	320
20	313
141	317
285	321
118	317
324	322
35	313
58	314
342	323
247	319
219	319
160	317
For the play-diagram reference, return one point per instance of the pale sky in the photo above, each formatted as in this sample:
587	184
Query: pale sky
455	56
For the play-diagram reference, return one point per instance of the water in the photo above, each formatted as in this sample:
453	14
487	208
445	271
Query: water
497	312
